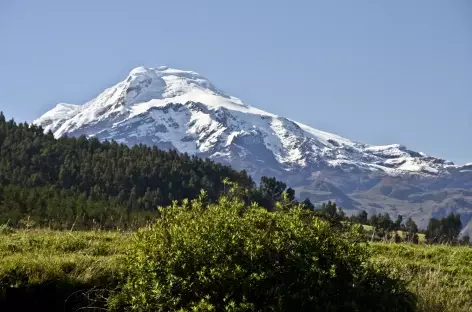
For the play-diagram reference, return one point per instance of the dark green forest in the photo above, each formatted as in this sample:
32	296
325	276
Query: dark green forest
82	182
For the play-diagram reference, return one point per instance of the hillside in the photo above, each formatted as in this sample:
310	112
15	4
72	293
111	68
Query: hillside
80	182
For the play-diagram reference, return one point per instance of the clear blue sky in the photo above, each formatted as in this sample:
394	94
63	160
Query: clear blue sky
379	72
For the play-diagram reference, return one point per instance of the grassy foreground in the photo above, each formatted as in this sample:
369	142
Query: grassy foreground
440	275
45	270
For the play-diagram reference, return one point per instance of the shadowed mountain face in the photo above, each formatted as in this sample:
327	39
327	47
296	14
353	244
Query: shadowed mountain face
321	191
176	109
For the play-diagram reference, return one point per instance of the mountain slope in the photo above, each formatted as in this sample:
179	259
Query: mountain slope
180	109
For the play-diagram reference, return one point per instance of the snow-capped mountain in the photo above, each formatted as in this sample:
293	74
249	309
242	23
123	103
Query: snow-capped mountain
180	109
184	110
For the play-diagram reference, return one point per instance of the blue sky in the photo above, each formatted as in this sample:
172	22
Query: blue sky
378	72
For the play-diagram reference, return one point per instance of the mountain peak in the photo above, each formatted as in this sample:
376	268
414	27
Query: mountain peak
140	70
182	109
161	71
164	82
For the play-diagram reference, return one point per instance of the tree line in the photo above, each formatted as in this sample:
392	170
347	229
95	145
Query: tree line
445	230
82	182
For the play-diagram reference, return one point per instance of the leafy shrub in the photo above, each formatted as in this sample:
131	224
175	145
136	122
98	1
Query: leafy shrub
5	229
230	257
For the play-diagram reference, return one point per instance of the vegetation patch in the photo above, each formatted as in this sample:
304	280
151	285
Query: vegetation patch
232	257
44	270
440	275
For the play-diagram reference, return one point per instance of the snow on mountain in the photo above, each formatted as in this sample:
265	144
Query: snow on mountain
181	109
54	118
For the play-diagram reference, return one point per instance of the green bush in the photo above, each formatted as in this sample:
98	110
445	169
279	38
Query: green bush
230	257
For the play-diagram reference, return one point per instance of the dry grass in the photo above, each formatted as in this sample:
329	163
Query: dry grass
441	276
58	271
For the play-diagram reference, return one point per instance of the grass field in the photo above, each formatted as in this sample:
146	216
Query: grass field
52	265
440	275
40	269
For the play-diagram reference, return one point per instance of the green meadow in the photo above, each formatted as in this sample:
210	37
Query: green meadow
79	269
